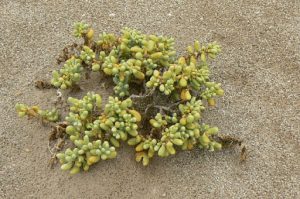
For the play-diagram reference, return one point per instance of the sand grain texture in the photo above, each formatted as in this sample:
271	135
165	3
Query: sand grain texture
259	69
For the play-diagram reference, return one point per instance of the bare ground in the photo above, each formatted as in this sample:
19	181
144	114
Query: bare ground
259	69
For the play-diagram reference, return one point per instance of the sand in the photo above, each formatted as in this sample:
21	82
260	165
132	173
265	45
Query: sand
259	69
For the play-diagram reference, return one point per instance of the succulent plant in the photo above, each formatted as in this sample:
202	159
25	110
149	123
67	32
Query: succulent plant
34	111
85	154
69	75
171	121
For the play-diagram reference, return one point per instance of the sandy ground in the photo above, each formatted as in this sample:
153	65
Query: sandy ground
259	69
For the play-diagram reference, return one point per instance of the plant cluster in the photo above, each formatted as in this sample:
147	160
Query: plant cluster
136	62
34	111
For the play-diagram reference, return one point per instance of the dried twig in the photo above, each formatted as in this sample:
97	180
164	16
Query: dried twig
42	84
243	154
228	141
